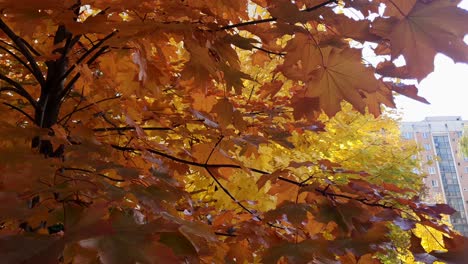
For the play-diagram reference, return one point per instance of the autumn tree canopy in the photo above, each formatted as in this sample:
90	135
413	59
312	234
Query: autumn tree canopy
167	131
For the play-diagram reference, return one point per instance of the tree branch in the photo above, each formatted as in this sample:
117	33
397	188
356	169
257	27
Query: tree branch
76	106
70	84
127	128
93	172
9	45
19	110
269	51
226	191
272	19
86	107
26	49
86	54
361	200
17	88
188	162
18	59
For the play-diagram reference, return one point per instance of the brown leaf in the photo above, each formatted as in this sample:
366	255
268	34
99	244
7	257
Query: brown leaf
418	39
340	77
410	91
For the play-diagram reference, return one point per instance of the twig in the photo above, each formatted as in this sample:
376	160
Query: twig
225	234
17	88
127	128
226	191
25	48
272	19
188	162
93	172
213	149
18	59
86	54
20	110
362	200
76	106
269	51
87	106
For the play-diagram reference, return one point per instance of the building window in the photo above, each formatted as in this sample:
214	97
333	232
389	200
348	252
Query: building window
427	147
424	135
466	169
434	183
408	135
432	170
429	157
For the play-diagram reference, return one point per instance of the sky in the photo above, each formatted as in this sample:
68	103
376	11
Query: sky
446	89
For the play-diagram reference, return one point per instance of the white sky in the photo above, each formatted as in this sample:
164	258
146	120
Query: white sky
446	89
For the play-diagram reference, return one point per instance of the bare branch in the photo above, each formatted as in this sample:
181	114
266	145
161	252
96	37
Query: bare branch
272	19
129	128
93	172
86	107
213	149
17	88
269	51
18	59
26	49
86	54
188	162
226	191
19	110
75	78
361	200
76	106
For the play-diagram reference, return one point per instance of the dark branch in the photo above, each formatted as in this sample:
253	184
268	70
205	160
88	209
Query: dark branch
18	59
70	84
225	234
93	172
269	51
213	149
86	107
97	54
248	23
26	50
361	200
127	128
9	45
86	54
272	19
188	162
76	106
17	88
226	191
20	110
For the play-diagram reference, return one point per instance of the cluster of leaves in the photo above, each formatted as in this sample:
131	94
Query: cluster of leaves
191	131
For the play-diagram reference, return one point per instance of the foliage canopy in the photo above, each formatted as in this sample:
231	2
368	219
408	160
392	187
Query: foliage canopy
190	130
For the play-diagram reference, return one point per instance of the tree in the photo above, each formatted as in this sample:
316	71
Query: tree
464	144
127	126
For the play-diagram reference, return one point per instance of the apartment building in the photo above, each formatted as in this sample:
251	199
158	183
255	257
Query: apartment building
443	162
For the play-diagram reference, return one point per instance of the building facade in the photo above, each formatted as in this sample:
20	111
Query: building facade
443	162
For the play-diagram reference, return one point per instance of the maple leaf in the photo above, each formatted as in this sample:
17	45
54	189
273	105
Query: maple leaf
340	76
211	131
421	30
